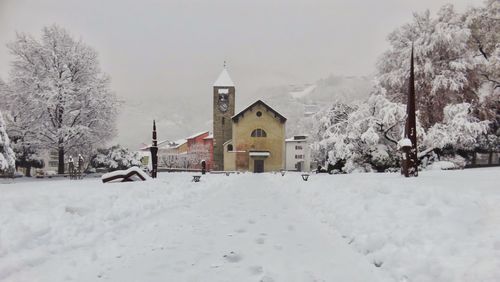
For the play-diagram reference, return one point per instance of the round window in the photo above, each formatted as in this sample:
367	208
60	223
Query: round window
259	113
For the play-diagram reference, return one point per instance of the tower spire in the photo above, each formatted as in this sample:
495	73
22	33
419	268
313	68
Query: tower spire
154	153
411	158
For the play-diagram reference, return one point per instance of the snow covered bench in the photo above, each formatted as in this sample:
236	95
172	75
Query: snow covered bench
131	174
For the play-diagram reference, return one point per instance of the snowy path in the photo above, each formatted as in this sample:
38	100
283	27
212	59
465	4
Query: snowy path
245	232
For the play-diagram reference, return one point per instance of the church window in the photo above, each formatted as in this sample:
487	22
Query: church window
223	120
259	133
230	148
259	113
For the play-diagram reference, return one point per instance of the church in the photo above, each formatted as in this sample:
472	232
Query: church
250	140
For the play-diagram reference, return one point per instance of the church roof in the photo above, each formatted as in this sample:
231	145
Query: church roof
224	79
259	102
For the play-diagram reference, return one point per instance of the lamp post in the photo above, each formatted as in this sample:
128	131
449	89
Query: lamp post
154	153
410	161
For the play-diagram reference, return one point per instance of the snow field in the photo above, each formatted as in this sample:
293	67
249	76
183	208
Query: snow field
441	226
39	219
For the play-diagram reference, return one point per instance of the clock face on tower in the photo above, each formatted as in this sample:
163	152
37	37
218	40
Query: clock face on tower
223	102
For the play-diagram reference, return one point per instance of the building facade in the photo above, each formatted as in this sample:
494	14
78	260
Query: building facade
298	153
258	140
199	150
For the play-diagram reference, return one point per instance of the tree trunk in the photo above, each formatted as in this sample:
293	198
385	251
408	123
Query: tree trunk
28	171
60	167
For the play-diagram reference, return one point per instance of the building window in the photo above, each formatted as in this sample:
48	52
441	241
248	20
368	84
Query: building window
298	147
259	113
259	133
223	120
230	148
299	157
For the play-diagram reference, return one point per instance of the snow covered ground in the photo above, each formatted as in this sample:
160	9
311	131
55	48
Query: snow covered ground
442	226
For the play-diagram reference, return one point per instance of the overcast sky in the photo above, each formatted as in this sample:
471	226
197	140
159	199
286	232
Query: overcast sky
163	56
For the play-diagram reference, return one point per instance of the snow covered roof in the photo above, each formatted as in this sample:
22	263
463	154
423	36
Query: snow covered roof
178	143
224	79
197	134
146	147
211	136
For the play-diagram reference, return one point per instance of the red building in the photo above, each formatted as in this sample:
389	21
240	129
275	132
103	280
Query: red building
200	147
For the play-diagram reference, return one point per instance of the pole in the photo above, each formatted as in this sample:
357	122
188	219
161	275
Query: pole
154	153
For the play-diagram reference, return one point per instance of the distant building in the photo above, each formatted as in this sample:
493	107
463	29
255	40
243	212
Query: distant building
182	154
298	153
257	144
51	160
173	154
200	149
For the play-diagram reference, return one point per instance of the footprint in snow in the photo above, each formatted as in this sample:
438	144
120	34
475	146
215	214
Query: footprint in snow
266	279
232	257
260	241
256	269
240	230
251	221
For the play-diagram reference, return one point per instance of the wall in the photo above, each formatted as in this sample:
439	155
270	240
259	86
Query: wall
229	158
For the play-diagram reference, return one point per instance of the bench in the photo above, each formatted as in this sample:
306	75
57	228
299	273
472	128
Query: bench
305	176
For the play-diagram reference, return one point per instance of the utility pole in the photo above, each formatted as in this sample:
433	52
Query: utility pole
154	153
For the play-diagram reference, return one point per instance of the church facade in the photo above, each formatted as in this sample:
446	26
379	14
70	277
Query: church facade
252	140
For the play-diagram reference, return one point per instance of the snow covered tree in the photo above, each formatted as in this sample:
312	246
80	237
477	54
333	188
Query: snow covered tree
326	123
7	157
57	82
365	137
174	160
445	71
484	40
22	129
115	158
459	130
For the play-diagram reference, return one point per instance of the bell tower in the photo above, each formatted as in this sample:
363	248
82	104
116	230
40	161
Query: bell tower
223	110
